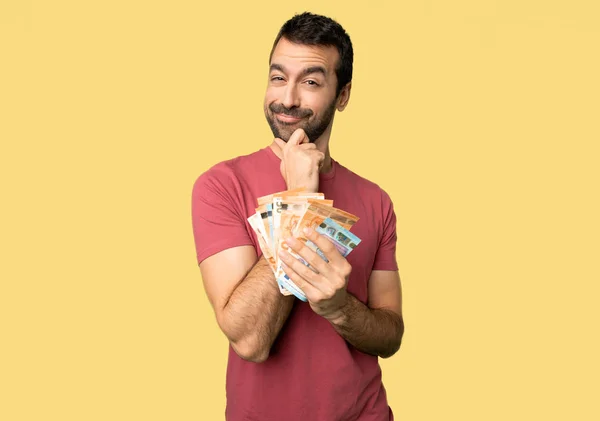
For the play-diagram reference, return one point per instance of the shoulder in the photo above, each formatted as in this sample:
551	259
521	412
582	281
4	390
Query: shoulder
367	189
226	174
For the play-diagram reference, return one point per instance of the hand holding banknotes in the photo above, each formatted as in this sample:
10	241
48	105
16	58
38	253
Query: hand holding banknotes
301	161
286	214
325	284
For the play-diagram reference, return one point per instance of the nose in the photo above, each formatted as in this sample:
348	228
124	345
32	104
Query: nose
290	96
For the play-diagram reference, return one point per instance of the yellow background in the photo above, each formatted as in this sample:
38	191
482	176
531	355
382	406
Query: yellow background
479	117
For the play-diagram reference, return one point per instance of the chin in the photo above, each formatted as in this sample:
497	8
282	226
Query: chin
285	136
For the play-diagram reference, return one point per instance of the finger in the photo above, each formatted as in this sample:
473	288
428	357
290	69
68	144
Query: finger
288	284
309	275
321	158
310	291
305	138
326	246
286	247
298	137
308	146
312	258
316	156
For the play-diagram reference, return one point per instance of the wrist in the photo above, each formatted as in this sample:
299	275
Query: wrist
341	315
308	187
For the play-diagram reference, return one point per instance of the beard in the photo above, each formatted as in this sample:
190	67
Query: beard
313	129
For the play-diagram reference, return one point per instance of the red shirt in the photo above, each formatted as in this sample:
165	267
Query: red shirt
312	373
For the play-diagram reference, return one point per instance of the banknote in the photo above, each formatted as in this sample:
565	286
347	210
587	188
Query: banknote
293	209
343	240
256	224
263	221
264	212
280	204
269	197
316	213
265	209
270	223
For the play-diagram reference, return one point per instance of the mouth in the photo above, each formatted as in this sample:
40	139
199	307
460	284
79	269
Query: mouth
287	119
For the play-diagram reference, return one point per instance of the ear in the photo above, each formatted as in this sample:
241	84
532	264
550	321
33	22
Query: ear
344	97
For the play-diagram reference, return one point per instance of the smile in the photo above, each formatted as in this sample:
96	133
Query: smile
287	118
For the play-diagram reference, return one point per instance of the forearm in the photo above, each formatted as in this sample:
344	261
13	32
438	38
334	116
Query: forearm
255	313
372	331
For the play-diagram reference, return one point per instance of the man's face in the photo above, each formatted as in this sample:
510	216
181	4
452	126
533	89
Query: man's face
301	89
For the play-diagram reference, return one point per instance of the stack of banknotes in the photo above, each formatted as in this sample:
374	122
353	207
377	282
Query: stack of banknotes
285	214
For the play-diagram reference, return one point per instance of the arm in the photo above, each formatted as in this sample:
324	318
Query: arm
375	329
248	306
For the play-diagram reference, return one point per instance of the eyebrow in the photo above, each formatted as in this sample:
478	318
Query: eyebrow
305	72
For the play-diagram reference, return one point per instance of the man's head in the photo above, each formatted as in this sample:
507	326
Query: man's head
310	74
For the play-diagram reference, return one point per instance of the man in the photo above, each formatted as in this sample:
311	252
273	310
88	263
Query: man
290	360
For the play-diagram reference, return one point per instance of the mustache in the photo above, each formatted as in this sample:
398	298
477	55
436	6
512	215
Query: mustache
292	112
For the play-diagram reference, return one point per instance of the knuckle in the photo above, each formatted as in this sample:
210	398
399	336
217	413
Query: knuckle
347	268
312	259
296	264
324	296
312	275
295	278
327	246
301	269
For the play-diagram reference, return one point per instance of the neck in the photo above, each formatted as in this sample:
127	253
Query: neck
327	161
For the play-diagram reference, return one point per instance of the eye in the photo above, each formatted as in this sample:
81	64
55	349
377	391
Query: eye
312	83
277	78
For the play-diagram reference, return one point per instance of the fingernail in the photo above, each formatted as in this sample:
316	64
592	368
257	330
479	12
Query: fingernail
290	240
307	230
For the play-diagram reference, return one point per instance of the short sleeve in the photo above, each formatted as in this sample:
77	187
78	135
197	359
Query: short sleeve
385	258
216	219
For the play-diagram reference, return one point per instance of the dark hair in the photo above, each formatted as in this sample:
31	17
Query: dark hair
310	29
